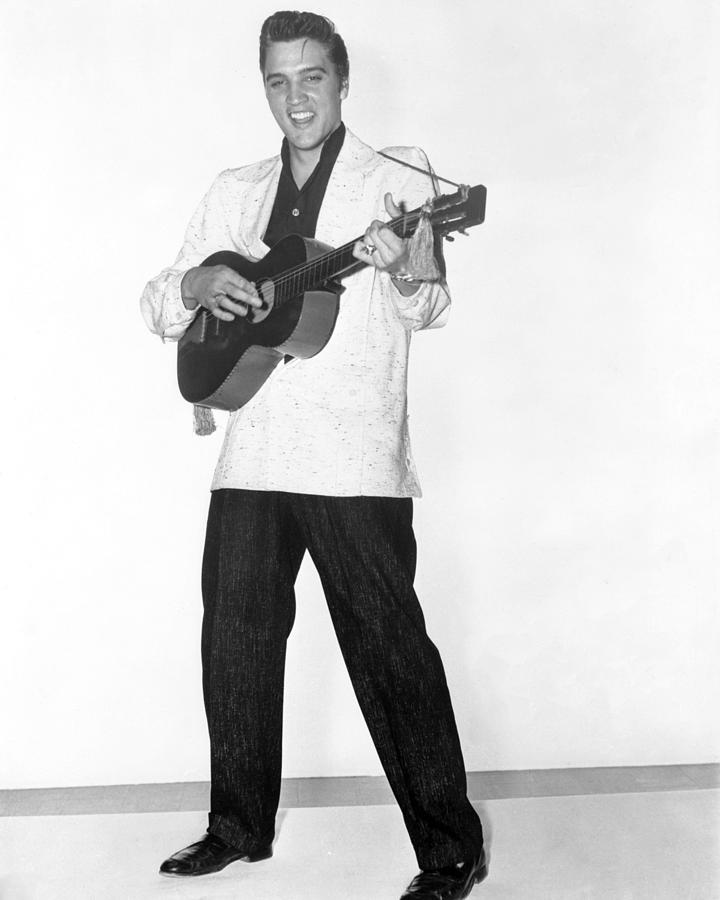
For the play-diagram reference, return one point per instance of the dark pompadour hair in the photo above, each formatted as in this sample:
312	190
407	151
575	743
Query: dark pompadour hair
289	25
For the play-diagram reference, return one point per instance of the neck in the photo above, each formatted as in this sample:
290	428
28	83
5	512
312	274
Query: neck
303	162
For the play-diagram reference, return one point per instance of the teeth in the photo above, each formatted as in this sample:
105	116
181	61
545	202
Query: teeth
300	116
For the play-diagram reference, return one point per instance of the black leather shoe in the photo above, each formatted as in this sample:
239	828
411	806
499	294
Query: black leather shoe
450	883
210	854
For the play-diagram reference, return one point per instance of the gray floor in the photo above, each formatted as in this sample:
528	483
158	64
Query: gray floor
361	791
648	845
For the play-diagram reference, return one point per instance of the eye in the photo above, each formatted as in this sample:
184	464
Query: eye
276	83
313	78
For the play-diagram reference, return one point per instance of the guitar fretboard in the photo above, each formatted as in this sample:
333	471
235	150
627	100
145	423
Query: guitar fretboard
333	265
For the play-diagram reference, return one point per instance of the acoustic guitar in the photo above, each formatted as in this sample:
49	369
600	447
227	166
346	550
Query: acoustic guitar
223	364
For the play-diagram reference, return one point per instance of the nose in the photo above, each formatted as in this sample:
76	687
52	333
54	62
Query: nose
296	94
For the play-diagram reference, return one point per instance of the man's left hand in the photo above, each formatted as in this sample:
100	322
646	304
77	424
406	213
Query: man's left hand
381	247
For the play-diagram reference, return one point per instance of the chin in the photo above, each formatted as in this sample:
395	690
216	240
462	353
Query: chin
306	143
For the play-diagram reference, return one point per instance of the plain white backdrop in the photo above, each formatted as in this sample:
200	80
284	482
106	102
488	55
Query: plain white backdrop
565	422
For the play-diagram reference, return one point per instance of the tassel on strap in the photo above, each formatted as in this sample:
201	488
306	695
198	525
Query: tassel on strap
421	261
204	420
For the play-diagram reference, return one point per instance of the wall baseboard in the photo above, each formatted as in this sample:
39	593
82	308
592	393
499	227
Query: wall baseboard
359	790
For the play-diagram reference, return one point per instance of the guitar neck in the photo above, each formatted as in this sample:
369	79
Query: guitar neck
334	265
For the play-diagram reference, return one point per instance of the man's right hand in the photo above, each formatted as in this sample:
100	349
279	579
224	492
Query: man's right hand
220	290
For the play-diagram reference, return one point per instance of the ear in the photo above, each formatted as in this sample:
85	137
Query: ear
344	89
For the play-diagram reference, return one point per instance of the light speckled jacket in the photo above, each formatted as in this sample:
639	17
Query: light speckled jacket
335	424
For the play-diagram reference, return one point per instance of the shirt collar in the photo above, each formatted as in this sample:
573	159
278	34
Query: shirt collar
328	154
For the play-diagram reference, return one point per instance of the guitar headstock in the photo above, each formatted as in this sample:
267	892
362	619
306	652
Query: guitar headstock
458	211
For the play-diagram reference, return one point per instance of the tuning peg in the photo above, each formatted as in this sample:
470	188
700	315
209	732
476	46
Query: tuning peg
449	237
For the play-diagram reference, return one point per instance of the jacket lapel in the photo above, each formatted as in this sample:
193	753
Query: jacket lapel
257	205
344	212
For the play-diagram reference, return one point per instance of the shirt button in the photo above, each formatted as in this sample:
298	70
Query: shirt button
296	212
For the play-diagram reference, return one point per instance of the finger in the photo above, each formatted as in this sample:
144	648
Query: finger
377	240
372	236
360	251
239	288
240	295
374	227
386	238
390	206
224	308
232	306
379	232
365	249
237	281
221	313
224	280
230	276
386	259
391	250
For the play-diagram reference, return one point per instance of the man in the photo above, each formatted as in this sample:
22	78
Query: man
319	460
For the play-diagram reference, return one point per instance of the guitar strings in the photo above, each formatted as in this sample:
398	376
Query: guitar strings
314	266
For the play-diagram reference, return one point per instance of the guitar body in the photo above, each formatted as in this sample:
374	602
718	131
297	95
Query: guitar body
224	364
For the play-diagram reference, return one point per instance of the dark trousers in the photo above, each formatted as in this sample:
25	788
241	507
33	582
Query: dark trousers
364	551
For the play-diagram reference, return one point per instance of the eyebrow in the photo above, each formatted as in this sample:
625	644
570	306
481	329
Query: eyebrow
302	71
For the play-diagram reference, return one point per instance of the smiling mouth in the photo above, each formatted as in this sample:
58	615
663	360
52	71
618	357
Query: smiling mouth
301	118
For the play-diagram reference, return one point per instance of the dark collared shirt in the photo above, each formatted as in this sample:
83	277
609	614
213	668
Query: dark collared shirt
296	210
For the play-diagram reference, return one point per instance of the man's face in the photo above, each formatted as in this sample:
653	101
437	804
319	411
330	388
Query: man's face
304	92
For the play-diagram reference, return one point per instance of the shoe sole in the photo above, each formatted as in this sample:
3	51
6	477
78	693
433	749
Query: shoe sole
479	876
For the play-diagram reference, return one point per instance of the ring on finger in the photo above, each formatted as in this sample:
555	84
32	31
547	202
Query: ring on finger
369	249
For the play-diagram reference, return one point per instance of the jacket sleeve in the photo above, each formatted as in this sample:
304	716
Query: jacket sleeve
161	303
429	306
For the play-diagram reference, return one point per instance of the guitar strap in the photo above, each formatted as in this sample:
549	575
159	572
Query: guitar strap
429	171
